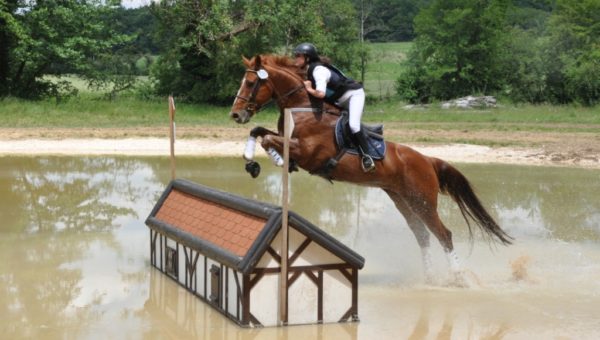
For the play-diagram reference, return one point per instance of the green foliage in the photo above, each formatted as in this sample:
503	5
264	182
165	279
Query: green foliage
525	50
530	14
139	23
574	50
524	67
112	74
534	51
201	60
389	20
51	37
457	50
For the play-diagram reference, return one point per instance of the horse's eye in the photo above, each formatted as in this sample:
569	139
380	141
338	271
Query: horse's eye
249	83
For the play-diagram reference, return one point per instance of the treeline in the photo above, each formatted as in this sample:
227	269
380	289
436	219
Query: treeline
100	42
529	51
524	50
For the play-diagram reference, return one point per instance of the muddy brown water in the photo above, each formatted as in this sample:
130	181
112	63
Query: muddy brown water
75	252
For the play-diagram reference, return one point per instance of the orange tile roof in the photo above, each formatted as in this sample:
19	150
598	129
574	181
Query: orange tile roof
229	229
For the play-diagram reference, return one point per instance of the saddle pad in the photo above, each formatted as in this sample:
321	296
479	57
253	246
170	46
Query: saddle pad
343	140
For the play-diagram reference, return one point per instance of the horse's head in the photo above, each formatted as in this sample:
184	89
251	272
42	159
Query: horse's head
254	91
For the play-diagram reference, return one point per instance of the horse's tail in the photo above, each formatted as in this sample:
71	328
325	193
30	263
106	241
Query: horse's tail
455	184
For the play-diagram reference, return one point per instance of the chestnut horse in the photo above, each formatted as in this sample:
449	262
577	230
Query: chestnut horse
409	178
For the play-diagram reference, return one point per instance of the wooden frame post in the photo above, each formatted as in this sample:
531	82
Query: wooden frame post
172	134
283	288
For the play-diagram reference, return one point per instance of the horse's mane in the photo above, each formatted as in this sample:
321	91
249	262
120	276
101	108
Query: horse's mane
282	61
289	65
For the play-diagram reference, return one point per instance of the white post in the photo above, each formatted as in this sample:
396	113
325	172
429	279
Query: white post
172	134
283	288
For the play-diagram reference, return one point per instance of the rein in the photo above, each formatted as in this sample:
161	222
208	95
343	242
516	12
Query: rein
279	97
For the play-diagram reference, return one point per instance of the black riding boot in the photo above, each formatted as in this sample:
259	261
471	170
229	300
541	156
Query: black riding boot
367	162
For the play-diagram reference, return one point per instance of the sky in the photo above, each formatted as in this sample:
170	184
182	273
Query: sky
134	3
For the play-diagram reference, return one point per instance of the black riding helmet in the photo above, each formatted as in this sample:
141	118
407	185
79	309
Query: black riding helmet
309	50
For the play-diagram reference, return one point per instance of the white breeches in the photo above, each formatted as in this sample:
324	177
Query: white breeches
354	102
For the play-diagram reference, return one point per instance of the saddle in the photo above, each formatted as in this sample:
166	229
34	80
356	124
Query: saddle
374	135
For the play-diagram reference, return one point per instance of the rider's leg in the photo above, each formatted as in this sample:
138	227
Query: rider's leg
366	160
356	103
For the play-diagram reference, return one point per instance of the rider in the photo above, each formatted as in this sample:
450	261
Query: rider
328	83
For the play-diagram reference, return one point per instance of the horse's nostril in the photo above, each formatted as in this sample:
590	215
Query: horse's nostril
234	115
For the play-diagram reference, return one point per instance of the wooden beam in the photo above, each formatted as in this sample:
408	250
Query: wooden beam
283	288
246	299
172	134
299	251
320	297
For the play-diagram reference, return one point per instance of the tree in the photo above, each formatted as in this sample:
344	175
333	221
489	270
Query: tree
139	23
525	68
525	62
457	50
530	14
10	30
50	37
201	61
388	20
573	52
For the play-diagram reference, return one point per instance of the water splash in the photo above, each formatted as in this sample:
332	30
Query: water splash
519	268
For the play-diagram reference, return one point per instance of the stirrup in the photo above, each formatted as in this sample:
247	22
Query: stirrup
370	166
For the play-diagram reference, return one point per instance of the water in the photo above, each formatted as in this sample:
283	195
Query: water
75	252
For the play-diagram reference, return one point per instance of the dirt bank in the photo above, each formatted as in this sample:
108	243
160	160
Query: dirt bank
540	148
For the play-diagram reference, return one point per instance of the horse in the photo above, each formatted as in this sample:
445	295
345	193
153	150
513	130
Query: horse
411	179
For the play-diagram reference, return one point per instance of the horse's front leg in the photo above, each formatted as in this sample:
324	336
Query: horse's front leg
258	131
252	167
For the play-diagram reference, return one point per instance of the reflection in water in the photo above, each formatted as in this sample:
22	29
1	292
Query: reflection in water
74	252
542	202
62	218
183	316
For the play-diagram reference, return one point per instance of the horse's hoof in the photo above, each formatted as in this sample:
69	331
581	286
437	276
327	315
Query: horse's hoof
293	166
464	279
253	168
459	281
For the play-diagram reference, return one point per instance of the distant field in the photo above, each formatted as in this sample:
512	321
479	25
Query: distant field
384	68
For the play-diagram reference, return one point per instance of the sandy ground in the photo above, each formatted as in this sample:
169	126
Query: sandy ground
555	149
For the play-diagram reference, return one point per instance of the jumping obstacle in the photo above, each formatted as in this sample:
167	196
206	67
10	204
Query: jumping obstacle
227	251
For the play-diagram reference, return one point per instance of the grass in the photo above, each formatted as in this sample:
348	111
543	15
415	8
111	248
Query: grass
86	111
384	67
528	114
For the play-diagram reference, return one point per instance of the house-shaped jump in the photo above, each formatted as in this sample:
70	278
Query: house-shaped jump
225	249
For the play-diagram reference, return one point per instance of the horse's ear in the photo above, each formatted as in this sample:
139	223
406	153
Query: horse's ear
257	62
246	61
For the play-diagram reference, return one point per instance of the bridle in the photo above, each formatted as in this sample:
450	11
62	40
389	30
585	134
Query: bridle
251	106
262	77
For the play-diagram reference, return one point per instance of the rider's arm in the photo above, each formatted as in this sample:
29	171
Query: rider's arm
321	75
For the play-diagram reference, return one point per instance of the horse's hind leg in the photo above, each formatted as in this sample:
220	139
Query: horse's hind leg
273	145
424	210
419	230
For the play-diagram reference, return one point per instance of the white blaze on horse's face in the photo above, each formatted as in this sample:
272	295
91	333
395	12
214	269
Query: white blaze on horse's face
240	116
